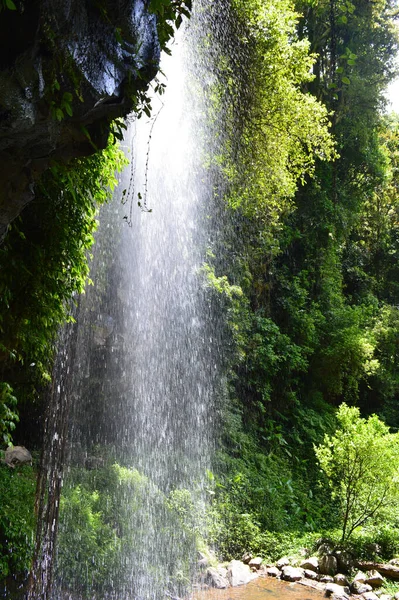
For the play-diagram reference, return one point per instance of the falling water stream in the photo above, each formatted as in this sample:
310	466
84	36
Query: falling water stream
140	377
145	371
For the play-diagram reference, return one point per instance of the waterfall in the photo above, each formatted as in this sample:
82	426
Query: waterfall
145	369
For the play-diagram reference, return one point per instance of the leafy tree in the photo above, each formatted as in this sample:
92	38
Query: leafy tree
361	463
273	131
371	252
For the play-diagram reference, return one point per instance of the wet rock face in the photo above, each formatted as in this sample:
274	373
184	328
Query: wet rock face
68	67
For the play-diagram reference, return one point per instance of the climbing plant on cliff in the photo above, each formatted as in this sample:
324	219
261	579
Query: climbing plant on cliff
44	262
170	15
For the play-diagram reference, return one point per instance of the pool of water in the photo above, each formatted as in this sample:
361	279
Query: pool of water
263	588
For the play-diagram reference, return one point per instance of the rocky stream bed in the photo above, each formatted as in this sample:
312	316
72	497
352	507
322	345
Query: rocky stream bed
337	575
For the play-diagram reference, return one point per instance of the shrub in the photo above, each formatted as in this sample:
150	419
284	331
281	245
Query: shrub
17	519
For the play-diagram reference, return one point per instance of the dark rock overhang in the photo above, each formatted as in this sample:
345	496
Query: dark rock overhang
67	69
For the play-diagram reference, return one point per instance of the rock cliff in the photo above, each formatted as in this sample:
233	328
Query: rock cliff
67	68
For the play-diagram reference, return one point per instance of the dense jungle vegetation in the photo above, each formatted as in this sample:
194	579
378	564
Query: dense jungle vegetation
304	262
308	272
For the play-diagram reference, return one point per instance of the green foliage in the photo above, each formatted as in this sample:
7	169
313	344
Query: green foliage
8	416
281	130
89	539
231	300
7	4
63	106
180	502
104	521
269	353
232	533
360	461
376	541
93	527
349	355
390	587
266	485
17	520
305	264
170	15
44	263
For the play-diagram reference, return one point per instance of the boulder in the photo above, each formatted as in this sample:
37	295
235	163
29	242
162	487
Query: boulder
292	573
338	591
273	572
246	558
345	561
311	563
370	596
256	562
396	596
203	563
282	562
309	574
341	579
315	585
239	574
360	577
326	579
385	597
375	579
328	565
360	588
216	579
386	569
17	455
